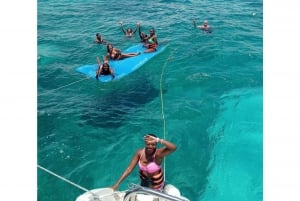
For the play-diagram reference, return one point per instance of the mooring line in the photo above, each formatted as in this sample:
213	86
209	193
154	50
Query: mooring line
62	178
64	86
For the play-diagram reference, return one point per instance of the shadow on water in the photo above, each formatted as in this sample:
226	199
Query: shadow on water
111	110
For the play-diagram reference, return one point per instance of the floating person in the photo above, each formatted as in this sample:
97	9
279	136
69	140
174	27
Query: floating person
151	41
116	54
128	32
104	69
204	27
149	160
99	39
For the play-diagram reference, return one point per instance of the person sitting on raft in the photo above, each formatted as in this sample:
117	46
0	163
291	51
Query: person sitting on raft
116	54
151	41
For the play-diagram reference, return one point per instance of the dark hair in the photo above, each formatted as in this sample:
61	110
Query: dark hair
151	134
108	46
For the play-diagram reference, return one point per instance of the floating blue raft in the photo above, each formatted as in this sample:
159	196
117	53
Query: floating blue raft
122	67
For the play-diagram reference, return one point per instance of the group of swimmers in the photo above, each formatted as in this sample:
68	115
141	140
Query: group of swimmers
149	42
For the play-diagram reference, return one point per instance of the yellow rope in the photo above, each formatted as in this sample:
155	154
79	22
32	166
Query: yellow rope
162	103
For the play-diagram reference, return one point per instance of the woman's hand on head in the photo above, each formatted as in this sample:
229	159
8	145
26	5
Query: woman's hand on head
149	137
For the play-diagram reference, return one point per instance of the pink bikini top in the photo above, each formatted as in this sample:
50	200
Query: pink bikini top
151	167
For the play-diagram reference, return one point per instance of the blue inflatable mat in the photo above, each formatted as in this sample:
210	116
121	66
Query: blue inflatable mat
122	67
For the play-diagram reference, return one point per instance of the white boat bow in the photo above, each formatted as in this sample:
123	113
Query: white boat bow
135	193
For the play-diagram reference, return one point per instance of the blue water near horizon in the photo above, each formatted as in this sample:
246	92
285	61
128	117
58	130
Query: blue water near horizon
212	91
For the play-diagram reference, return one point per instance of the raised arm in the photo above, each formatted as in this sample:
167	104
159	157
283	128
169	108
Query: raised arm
140	32
195	24
136	28
98	72
122	27
168	147
99	62
105	60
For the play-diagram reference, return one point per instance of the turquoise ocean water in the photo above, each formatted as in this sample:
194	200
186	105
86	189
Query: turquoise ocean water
212	90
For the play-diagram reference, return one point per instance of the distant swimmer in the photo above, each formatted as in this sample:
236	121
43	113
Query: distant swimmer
204	27
128	32
99	39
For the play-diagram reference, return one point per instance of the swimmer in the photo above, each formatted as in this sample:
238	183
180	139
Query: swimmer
128	32
204	27
99	39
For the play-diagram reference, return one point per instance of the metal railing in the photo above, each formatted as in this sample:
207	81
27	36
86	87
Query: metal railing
136	189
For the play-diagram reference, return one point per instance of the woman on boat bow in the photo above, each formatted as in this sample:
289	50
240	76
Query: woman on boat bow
149	160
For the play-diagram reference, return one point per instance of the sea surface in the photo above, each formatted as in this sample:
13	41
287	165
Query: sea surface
204	93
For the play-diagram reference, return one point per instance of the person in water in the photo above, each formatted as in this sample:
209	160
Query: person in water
128	32
116	54
204	27
149	160
104	69
99	39
151	41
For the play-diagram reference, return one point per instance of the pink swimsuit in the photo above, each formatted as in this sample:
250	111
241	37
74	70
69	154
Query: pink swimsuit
151	168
